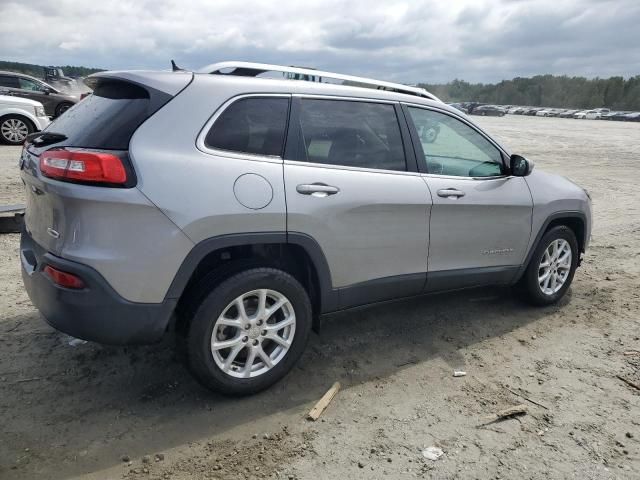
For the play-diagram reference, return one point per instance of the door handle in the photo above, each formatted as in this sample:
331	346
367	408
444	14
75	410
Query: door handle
317	189
450	192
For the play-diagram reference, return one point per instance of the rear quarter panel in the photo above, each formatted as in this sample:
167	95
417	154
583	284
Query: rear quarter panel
194	188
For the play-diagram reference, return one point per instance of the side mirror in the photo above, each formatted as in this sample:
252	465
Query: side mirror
47	91
520	166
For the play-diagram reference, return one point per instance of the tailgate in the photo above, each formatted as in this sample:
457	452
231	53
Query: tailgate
44	214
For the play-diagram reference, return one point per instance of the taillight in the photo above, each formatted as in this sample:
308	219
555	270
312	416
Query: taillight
83	166
64	279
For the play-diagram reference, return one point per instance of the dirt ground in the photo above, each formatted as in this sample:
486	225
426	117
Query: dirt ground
135	413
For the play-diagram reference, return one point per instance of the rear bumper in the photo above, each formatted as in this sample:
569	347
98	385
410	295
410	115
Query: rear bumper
96	313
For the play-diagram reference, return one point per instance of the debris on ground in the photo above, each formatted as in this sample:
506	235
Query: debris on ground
527	398
323	403
629	382
506	413
459	373
74	342
432	453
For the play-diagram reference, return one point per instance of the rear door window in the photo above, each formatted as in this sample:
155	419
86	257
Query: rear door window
352	134
254	125
9	81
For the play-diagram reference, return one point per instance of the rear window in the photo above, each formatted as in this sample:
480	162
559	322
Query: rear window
253	125
107	118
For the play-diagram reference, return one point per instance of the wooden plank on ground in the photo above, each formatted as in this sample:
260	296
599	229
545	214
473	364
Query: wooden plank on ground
323	403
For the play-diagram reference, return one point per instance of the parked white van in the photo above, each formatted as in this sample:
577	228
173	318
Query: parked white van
19	117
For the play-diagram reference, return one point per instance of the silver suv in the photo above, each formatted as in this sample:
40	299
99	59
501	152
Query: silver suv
238	204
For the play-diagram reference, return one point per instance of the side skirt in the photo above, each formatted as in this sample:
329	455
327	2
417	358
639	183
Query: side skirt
470	277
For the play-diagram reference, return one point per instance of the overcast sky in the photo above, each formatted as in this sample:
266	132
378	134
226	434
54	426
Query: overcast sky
410	41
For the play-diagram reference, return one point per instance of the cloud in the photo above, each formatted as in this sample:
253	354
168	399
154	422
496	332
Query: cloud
408	41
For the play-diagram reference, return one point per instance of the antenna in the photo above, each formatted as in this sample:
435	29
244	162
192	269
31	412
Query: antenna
176	68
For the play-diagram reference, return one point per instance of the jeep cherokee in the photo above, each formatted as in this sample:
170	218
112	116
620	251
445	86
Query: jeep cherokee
239	203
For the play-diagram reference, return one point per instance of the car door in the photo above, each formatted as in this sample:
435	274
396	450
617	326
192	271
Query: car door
481	216
351	184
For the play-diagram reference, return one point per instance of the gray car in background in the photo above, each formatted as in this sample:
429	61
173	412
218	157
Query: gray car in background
238	204
25	86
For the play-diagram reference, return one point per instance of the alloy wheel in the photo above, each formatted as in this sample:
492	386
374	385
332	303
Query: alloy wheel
555	266
14	130
253	333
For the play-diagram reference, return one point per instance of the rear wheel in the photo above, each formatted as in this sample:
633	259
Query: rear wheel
552	267
249	331
14	129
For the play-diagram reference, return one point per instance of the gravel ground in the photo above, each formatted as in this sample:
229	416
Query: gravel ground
135	413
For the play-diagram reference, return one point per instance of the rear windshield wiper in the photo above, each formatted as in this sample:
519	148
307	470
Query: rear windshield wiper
42	139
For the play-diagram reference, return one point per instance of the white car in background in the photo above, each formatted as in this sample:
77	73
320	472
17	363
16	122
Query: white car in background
19	117
594	114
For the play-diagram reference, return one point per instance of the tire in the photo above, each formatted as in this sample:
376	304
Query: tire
543	292
14	129
431	134
213	368
63	107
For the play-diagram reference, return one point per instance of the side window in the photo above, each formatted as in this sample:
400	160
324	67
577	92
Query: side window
9	82
349	133
251	125
26	84
451	147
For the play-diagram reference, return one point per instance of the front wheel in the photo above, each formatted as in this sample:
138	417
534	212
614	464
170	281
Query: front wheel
14	129
249	331
552	267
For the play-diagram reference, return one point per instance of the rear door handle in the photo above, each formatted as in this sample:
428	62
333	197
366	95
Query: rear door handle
317	189
450	192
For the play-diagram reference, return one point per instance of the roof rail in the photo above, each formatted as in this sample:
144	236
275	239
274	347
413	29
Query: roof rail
249	69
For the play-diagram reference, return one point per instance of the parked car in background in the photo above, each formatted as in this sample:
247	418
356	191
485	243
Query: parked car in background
620	116
547	112
19	117
632	117
458	106
554	112
568	113
532	111
25	86
593	114
582	114
240	251
489	111
471	106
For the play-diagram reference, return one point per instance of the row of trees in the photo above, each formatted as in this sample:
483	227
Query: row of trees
616	93
38	70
